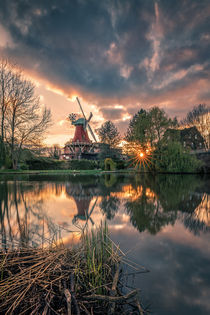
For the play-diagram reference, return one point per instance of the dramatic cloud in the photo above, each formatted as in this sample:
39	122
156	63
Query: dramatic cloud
130	53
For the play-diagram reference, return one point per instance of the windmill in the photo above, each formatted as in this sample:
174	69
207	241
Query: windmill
81	146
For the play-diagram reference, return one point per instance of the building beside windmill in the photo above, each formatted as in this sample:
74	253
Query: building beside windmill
80	146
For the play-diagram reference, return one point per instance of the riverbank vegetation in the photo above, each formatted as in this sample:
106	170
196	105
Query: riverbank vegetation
151	146
87	279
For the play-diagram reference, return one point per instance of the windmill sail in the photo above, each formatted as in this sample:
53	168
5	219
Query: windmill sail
87	121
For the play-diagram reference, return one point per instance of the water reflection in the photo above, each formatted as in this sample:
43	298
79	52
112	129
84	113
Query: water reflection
36	210
162	200
166	219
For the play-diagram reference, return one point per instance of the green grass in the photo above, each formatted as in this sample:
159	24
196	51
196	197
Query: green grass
54	172
98	252
49	171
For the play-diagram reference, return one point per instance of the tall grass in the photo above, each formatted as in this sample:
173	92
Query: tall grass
57	279
99	256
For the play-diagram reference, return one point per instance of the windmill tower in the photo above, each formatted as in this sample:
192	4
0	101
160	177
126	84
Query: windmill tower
81	146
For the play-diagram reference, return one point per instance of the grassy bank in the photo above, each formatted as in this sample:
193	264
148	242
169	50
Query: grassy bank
91	172
86	279
65	172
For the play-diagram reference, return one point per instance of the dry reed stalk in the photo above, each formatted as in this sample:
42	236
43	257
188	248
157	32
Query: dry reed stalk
58	280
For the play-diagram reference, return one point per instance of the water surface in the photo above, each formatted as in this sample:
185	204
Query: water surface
161	222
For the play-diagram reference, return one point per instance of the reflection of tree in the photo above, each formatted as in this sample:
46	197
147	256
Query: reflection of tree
146	213
177	192
22	220
199	220
162	200
109	205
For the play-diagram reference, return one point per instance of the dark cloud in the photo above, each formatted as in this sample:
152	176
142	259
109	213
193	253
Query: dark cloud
132	51
112	113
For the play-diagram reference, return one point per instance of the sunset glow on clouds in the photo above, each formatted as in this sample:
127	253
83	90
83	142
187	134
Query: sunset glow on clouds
117	56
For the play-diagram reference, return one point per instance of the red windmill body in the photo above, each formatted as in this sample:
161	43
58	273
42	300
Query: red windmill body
80	134
81	146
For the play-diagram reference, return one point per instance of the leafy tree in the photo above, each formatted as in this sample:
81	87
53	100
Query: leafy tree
138	127
149	126
159	123
109	134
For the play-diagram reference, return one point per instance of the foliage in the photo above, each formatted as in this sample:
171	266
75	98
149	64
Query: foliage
120	164
106	151
83	164
109	134
97	251
149	126
159	122
23	166
138	126
44	163
173	158
110	165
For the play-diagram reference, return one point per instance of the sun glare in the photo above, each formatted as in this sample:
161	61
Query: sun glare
140	156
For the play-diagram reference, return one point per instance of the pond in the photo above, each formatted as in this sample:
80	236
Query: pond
161	222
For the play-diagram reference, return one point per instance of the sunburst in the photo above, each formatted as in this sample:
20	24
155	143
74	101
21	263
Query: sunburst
140	156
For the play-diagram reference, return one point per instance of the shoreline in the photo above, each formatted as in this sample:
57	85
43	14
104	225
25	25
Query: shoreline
89	172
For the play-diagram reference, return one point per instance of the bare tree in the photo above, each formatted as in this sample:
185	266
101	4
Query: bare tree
5	94
109	134
199	117
23	121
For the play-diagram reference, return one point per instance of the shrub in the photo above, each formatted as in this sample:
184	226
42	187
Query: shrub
120	165
44	163
23	166
110	165
173	158
83	164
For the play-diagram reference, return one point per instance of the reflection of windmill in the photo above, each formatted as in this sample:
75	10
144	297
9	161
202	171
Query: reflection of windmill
82	196
84	213
81	146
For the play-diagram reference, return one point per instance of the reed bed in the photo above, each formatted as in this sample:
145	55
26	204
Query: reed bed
86	279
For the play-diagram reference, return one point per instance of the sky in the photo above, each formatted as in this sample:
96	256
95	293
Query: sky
116	56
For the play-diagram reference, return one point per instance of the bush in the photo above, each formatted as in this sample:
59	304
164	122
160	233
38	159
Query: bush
173	158
83	164
45	164
110	165
121	165
23	167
